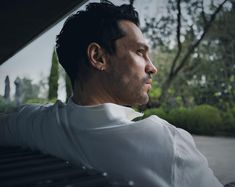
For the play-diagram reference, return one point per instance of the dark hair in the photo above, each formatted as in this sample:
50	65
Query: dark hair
98	23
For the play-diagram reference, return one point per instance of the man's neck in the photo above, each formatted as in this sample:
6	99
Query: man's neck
94	94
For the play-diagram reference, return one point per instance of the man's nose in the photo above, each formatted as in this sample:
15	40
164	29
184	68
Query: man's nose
150	68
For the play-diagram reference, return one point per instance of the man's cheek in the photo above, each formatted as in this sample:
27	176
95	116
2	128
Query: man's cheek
127	79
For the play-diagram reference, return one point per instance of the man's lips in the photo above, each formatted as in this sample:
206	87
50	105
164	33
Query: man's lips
149	82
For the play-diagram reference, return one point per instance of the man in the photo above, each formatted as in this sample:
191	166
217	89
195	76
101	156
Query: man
106	56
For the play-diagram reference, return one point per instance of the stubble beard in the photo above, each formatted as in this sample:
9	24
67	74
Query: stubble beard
130	92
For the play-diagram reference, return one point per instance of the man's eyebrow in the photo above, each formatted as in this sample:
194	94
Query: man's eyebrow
145	46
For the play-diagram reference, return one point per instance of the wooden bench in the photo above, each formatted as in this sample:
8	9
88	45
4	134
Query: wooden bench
23	167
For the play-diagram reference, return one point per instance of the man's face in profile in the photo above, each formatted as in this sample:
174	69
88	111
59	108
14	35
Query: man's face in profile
130	67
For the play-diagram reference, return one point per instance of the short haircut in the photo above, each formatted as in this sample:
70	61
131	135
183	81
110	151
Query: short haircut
98	23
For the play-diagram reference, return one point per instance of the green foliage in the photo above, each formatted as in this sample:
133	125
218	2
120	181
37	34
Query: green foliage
29	90
202	119
155	111
53	78
232	110
228	122
205	119
68	86
218	63
38	101
180	117
182	69
155	93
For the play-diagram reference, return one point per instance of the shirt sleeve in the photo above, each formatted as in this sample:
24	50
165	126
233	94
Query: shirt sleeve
8	123
38	127
25	127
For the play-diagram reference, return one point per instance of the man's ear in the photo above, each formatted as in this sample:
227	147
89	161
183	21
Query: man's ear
96	56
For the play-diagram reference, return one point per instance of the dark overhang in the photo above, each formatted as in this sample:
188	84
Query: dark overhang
21	21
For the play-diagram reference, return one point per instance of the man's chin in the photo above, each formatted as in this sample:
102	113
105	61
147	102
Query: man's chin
138	101
144	100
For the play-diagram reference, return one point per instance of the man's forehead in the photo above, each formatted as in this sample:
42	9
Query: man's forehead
133	34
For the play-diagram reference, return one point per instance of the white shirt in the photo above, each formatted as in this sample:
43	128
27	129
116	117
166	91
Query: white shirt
149	152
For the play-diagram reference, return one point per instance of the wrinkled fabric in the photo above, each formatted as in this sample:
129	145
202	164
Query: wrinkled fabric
149	152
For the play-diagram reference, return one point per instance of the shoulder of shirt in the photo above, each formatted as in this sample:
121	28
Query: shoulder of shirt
175	132
153	125
163	125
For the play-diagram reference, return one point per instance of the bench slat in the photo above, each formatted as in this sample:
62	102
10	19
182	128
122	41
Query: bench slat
23	167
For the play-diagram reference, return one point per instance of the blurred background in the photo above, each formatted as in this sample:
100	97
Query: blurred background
192	45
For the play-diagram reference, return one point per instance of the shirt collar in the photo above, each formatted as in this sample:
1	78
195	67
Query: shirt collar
101	115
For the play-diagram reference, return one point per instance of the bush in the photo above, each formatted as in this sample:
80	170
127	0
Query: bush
180	117
155	111
232	110
228	122
39	101
205	119
202	119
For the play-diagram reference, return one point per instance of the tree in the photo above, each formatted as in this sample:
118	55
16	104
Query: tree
27	90
53	78
68	86
180	32
218	67
7	88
